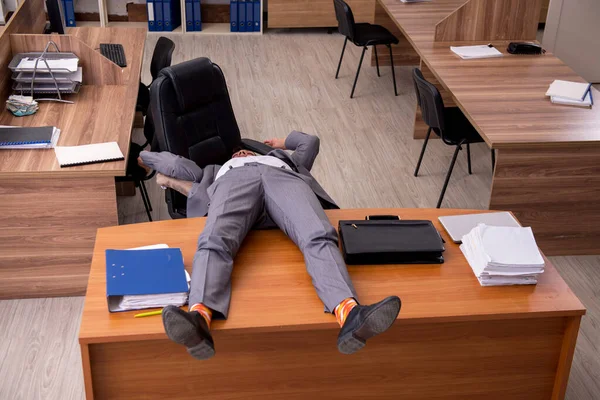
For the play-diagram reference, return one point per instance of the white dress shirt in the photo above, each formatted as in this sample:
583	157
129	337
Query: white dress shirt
241	161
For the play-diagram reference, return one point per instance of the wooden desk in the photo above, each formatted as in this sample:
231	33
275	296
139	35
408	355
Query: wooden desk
50	215
454	339
547	155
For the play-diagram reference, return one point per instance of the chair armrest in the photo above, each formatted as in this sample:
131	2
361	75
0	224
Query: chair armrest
256	146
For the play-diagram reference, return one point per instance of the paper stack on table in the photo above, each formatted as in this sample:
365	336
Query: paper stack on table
474	52
571	93
503	255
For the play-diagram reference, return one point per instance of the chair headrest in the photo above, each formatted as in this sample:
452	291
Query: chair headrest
194	82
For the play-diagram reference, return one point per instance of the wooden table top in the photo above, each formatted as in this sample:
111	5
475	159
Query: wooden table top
504	98
99	114
270	277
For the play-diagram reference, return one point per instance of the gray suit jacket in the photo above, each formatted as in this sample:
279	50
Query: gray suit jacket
306	149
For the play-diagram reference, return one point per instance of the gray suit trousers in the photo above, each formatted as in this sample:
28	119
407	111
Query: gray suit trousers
252	196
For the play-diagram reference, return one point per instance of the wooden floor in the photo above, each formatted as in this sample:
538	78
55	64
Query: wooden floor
279	82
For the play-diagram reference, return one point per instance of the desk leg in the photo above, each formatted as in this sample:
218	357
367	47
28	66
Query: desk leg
566	358
49	228
87	371
404	53
555	190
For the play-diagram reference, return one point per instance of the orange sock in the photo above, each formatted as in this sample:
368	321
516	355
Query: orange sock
204	311
343	309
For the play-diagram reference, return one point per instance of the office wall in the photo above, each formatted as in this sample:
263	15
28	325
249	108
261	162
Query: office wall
572	32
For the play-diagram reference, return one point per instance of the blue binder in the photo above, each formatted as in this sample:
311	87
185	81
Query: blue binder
171	14
189	16
151	15
197	15
69	12
242	15
249	15
158	15
233	15
143	272
257	16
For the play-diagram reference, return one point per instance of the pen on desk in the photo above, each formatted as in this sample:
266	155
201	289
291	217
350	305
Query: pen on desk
148	314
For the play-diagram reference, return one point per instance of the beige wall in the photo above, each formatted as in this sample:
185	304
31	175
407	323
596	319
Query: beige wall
573	34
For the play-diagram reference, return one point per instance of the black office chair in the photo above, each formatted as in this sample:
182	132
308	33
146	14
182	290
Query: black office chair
362	35
161	58
193	118
449	123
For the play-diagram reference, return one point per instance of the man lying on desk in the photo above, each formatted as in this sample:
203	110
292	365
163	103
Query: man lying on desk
252	191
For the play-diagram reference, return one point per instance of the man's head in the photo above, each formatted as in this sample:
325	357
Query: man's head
243	153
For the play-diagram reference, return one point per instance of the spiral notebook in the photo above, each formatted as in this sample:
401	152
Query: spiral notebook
69	156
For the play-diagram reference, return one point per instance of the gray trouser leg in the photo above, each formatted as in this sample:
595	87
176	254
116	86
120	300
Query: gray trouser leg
236	203
294	207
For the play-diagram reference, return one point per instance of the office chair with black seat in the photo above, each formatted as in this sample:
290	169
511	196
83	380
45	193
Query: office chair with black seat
449	123
362	35
193	118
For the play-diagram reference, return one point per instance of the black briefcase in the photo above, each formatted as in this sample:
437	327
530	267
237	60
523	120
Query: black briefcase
390	242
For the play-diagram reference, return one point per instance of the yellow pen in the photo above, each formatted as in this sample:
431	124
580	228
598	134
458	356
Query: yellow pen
148	314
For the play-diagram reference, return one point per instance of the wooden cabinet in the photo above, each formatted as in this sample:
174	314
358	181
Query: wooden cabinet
314	13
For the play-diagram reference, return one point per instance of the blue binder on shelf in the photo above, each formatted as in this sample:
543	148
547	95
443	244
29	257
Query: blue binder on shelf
233	15
171	14
144	272
257	16
158	15
242	15
151	15
69	11
197	15
189	16
249	15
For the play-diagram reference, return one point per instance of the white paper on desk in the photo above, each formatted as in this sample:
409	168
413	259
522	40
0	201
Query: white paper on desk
475	52
67	64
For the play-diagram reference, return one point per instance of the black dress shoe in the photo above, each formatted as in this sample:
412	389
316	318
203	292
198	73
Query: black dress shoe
364	322
189	329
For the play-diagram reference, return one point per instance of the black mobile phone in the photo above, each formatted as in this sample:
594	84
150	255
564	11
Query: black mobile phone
382	217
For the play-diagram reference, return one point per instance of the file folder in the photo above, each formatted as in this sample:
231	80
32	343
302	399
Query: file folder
151	15
249	15
197	15
233	15
257	16
69	12
189	16
171	14
242	15
158	15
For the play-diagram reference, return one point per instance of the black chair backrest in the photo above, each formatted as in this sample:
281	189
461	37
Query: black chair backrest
192	113
345	18
161	57
431	103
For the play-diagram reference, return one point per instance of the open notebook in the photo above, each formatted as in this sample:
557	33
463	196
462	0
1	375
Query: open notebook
69	156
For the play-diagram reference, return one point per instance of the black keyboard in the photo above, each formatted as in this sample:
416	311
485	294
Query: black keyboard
114	52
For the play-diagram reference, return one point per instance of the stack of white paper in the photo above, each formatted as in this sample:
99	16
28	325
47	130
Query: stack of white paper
503	255
473	52
571	93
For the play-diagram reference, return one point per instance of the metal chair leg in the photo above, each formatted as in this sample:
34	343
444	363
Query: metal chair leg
358	71
393	72
458	148
376	60
341	57
422	152
493	160
143	186
145	200
469	158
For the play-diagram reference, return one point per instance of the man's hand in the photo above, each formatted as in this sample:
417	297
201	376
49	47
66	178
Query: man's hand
276	143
